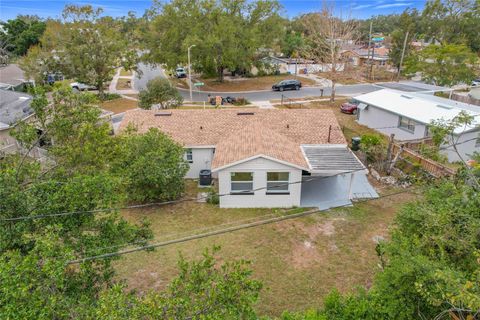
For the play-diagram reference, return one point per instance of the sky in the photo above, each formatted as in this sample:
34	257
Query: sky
357	8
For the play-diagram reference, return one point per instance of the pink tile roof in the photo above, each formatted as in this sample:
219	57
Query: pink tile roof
274	133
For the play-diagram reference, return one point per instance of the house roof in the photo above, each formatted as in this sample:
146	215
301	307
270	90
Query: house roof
11	76
14	106
239	134
420	107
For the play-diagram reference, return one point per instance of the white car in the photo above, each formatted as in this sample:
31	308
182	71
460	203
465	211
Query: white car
82	86
476	82
180	73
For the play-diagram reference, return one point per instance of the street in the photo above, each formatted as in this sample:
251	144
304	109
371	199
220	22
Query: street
150	72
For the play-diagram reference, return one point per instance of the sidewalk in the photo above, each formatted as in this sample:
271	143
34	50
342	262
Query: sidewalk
112	88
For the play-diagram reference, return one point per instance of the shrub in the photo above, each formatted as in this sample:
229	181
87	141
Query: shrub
213	197
160	92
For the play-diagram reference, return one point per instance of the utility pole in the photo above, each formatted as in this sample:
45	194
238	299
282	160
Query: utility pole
401	58
190	72
369	44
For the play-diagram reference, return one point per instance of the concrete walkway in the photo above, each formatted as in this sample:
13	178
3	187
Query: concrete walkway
112	88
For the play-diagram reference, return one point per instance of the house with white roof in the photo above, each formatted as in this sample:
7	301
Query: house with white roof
408	116
265	158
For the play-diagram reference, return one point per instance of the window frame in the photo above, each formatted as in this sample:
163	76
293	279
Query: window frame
189	154
278	191
410	123
245	191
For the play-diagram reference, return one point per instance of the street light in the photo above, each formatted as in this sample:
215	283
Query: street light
190	72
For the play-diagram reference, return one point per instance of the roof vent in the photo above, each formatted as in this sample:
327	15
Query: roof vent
245	113
406	97
444	107
288	126
163	114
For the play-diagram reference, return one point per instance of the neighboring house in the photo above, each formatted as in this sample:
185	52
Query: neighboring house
408	115
295	65
265	158
14	107
380	56
13	78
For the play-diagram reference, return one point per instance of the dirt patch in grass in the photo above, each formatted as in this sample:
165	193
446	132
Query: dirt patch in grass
180	83
119	105
123	84
299	261
249	84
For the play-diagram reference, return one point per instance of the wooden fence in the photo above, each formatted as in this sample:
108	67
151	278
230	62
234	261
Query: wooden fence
434	168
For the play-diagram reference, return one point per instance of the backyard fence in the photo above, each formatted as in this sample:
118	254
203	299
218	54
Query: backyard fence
434	168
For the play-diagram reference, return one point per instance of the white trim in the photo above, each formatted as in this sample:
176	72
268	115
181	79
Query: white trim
256	157
196	146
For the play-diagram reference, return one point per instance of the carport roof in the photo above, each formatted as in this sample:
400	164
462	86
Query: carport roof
331	158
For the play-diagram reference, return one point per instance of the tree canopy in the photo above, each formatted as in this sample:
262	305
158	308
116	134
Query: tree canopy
160	92
226	34
21	33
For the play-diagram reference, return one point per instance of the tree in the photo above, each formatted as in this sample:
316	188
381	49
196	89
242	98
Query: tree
21	33
160	92
452	21
86	47
444	65
408	22
202	290
325	35
227	34
152	165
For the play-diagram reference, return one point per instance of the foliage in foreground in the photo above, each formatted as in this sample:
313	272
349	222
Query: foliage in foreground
430	267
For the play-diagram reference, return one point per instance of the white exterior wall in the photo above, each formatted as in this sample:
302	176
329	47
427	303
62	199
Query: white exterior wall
374	117
202	159
260	167
465	149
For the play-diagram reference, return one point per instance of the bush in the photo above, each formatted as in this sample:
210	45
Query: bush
213	197
153	166
240	102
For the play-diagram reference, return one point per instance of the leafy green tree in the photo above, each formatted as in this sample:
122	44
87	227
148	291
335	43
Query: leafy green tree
202	290
85	46
21	33
408	22
152	165
160	92
227	34
444	65
452	21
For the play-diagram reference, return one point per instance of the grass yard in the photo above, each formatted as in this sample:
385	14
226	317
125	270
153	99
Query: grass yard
119	105
299	261
123	84
125	73
248	84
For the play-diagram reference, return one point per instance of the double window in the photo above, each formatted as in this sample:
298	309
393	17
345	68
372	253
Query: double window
189	155
277	182
242	182
407	124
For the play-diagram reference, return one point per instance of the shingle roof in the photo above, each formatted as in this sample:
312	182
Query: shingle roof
239	134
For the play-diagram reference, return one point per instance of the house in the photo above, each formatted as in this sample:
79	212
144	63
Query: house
265	157
408	115
295	65
13	78
380	56
14	107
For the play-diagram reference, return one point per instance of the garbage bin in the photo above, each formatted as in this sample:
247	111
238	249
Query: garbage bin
205	177
356	143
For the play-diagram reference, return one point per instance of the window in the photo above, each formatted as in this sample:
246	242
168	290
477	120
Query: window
277	182
407	124
189	155
242	182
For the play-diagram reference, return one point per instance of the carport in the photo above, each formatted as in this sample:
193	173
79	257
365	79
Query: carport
336	178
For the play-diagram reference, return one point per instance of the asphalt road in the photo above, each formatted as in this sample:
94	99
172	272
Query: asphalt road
149	72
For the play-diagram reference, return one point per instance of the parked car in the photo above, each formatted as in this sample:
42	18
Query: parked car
287	85
349	107
82	86
476	82
180	73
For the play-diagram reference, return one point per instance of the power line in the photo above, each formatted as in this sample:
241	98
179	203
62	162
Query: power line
101	210
221	231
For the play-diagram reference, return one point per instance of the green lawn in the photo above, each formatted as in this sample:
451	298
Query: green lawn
299	261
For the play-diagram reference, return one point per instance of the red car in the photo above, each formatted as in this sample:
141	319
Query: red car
349	107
